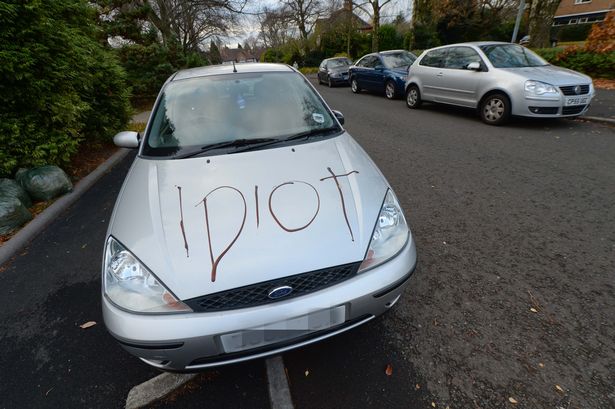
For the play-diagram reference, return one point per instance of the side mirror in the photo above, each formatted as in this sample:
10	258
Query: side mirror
339	116
127	139
474	66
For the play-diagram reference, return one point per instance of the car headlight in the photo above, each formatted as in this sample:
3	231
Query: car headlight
540	88
390	234
131	286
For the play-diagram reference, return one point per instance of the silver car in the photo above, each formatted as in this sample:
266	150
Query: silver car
500	80
250	223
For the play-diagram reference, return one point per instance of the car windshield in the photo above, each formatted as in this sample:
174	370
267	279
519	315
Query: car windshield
512	56
396	60
339	63
213	112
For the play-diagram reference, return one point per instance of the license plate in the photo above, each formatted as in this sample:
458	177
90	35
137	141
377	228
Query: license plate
283	330
576	101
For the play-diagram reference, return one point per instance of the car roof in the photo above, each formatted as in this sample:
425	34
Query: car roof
470	43
228	69
391	51
336	58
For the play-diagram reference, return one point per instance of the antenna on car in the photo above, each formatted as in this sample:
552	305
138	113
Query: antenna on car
234	68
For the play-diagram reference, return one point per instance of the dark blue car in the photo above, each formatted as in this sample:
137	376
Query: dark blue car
384	71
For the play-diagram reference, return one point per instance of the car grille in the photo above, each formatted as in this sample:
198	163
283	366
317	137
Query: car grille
258	294
575	109
569	90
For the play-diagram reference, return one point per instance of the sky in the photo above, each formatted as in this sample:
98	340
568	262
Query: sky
250	26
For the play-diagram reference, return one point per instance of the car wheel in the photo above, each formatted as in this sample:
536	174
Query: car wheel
389	90
319	80
495	109
413	97
354	86
330	84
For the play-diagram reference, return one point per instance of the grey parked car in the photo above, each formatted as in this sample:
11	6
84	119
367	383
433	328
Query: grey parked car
334	71
500	80
250	223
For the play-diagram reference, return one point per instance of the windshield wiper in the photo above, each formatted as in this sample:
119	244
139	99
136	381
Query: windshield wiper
235	143
300	135
310	133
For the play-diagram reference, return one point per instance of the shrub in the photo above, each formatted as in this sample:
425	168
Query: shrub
58	84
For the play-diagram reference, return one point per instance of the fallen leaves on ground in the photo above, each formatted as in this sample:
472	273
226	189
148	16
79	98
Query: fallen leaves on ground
512	400
87	324
559	388
604	84
533	310
307	372
389	370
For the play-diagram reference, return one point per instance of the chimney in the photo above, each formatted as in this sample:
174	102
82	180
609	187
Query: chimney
348	5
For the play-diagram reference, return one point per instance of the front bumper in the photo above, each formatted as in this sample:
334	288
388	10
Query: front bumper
551	107
190	342
342	80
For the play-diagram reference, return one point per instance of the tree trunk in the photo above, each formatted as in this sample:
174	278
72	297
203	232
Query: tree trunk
375	25
541	20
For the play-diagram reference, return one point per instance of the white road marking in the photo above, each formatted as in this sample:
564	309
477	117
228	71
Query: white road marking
156	388
279	391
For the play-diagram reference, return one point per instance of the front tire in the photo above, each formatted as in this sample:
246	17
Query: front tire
354	86
413	97
330	84
495	109
389	90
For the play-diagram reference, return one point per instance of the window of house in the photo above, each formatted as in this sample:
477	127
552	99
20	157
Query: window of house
573	21
582	1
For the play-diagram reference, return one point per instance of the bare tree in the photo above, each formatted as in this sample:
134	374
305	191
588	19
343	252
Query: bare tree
373	9
276	27
304	14
191	22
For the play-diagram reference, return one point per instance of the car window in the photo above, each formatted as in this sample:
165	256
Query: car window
460	57
369	61
434	58
323	65
511	56
338	63
215	109
396	60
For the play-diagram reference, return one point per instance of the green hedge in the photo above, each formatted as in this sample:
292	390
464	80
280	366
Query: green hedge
58	84
596	65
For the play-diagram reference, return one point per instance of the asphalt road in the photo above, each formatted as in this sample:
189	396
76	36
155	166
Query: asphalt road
506	220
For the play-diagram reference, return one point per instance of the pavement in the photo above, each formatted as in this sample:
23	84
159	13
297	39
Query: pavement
603	104
513	296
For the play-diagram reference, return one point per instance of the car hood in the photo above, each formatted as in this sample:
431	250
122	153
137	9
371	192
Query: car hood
263	214
550	74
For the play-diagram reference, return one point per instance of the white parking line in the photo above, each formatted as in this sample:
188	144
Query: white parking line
279	391
156	388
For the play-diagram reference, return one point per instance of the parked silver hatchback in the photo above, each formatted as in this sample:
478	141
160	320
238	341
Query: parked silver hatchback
250	223
500	80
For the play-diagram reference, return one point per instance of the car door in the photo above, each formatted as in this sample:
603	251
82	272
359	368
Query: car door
322	71
377	75
430	72
364	72
460	84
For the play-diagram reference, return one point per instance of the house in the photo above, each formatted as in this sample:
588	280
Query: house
341	17
572	12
